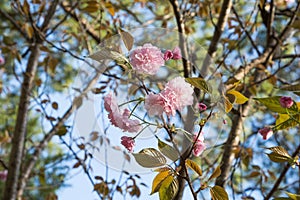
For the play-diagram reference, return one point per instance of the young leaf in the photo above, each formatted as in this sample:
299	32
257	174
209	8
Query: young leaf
218	193
194	166
239	97
281	118
157	181
127	39
291	122
149	158
293	196
279	154
273	104
216	173
106	53
168	150
168	188
228	104
199	83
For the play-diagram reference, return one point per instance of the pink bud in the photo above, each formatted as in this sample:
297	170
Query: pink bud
286	102
199	144
224	121
266	132
202	106
3	175
176	53
168	55
2	60
128	143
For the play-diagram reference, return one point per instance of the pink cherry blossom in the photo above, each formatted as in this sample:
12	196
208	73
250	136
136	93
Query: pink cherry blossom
128	143
286	102
199	144
202	106
176	53
266	132
178	93
175	96
3	175
168	55
120	118
146	59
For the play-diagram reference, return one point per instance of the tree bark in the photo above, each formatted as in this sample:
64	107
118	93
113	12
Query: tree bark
20	127
231	143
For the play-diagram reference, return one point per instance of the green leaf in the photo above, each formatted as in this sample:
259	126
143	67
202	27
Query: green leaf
216	173
168	188
149	158
292	121
281	118
127	39
157	181
239	97
194	166
273	104
105	53
218	193
279	154
199	83
168	150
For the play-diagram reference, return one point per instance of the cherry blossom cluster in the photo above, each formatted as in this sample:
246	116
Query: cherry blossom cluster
176	95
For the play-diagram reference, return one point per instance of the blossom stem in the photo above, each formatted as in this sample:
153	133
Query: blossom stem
141	131
131	101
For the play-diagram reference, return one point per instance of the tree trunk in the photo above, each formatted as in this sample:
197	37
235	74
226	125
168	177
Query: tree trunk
19	135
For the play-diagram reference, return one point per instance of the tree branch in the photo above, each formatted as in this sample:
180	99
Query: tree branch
7	16
219	28
18	139
85	24
182	41
232	142
19	135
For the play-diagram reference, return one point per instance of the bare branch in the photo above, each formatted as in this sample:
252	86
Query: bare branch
182	41
219	28
85	24
7	16
40	147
